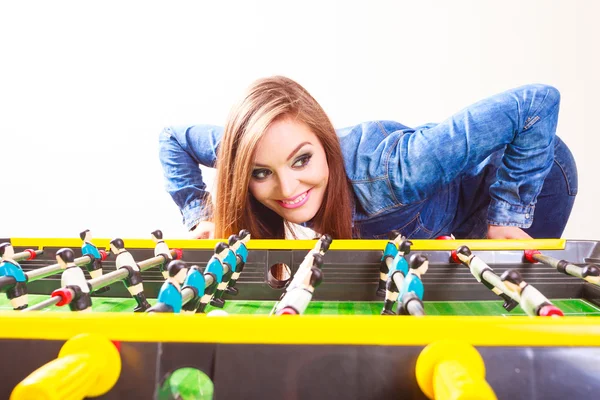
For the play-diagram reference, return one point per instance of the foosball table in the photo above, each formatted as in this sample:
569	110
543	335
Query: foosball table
340	347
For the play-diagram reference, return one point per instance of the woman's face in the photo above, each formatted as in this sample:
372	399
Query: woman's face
290	171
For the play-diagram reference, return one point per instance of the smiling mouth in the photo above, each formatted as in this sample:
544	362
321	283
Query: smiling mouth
297	202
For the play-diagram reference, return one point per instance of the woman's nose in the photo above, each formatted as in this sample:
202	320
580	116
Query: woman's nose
287	185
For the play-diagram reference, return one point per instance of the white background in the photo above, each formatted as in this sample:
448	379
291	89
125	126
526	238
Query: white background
85	88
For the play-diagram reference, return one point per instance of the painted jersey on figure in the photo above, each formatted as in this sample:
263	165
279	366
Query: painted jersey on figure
170	296
242	251
125	259
390	251
531	299
231	259
90	249
11	268
215	267
399	264
73	276
196	280
162	248
477	266
412	283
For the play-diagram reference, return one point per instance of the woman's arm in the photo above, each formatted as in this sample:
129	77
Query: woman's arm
521	121
181	150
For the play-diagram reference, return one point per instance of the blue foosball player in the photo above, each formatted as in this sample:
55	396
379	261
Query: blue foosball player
231	261
412	288
94	267
17	293
390	251
214	270
238	245
196	282
169	297
395	277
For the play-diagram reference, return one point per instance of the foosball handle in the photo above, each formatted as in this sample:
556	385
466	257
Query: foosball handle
450	369
87	366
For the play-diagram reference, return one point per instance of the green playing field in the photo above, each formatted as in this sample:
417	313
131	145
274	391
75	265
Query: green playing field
477	308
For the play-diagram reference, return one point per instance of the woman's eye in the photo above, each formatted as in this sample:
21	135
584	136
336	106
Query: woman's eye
260	173
302	161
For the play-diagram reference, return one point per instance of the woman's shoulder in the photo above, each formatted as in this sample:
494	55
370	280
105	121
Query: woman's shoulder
364	146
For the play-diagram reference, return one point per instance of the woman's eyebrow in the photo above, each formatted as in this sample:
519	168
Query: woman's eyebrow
289	157
296	150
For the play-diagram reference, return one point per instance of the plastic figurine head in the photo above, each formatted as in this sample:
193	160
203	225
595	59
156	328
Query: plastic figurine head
221	250
116	245
244	236
177	270
419	264
591	274
463	253
280	160
86	235
233	242
64	257
324	244
395	236
317	260
7	252
157	235
513	280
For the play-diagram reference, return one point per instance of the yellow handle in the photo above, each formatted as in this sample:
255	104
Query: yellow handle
87	366
452	370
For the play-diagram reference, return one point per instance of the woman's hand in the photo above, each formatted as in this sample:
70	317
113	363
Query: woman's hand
506	232
204	230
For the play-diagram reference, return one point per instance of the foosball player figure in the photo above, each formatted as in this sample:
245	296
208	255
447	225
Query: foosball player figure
390	251
477	268
322	244
591	274
239	246
395	279
133	282
94	267
214	269
17	293
196	282
231	261
169	296
532	301
300	277
161	249
73	278
297	300
419	264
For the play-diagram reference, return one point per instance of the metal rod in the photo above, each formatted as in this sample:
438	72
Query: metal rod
26	255
43	272
187	294
121	273
44	304
415	308
570	269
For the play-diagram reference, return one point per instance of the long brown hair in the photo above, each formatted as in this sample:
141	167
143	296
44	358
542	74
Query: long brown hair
266	101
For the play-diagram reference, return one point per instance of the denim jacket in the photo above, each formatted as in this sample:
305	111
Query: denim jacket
410	178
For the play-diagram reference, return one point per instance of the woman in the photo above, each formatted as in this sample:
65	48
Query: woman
482	172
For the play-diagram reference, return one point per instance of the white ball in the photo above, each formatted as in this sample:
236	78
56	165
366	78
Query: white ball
217	313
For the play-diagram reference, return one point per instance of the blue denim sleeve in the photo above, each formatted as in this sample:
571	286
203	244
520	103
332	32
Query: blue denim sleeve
521	121
181	151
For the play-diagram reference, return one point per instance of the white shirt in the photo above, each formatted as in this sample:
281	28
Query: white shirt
73	276
531	298
162	248
125	259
